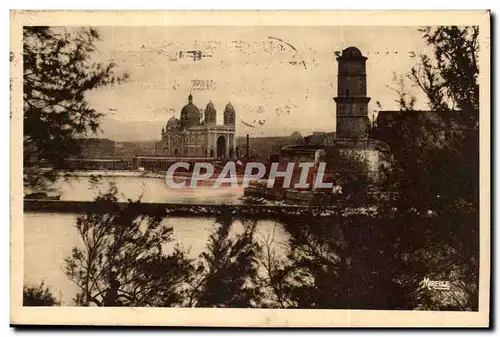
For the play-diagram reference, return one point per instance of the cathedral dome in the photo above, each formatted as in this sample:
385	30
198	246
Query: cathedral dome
190	114
210	114
173	123
229	114
351	52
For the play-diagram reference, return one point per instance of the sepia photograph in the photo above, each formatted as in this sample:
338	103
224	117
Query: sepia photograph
183	167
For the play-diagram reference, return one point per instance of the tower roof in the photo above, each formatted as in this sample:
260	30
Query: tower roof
210	114
352	52
210	107
229	114
229	107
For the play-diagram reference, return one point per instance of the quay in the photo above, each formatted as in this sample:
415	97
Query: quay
187	210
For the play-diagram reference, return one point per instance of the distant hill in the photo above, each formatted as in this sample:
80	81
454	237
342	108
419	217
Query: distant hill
135	148
118	130
130	131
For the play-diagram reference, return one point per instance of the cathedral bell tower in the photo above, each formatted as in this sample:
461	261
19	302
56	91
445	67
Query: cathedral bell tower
352	102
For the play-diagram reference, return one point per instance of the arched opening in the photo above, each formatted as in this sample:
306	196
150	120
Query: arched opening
221	146
211	152
176	152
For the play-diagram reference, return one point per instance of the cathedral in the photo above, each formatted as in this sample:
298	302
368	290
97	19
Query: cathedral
190	136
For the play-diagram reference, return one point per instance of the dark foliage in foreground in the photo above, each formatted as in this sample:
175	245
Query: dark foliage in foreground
434	157
58	72
123	261
129	259
359	260
226	273
38	296
372	261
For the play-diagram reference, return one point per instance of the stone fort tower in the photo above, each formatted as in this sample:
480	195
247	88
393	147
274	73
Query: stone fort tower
352	102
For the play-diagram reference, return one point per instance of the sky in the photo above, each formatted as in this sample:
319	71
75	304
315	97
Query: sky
279	79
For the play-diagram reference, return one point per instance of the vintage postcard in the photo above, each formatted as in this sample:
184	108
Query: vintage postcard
180	168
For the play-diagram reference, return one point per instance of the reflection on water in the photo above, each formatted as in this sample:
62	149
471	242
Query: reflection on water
49	239
150	189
